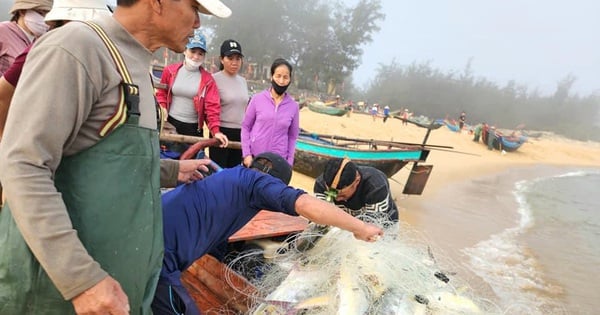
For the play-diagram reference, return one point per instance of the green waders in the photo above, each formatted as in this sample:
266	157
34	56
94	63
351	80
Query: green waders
112	195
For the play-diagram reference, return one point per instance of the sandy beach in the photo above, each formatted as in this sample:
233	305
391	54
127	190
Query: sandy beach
467	159
444	213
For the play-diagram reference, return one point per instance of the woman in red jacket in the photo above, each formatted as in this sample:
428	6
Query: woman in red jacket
191	97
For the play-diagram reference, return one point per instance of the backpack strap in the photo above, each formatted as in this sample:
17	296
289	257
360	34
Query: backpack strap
129	99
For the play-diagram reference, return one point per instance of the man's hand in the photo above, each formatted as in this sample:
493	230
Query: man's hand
222	138
190	170
369	233
106	297
247	160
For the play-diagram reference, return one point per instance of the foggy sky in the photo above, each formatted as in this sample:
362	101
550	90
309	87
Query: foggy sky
535	42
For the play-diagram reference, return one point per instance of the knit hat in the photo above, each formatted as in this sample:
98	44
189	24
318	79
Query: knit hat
339	173
44	5
279	166
77	10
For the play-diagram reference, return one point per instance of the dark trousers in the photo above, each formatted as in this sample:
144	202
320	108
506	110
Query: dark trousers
188	129
173	300
227	158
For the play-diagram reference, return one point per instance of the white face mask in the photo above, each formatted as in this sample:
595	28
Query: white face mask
191	64
35	23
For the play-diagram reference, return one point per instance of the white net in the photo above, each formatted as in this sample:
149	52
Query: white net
328	271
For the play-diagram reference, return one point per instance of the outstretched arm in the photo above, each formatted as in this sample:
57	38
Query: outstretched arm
322	212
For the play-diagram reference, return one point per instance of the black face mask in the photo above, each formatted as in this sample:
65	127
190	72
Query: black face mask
278	88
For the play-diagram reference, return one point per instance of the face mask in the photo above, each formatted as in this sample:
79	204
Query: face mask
35	23
278	88
193	65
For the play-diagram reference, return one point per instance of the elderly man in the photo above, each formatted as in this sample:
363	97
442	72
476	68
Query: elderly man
81	230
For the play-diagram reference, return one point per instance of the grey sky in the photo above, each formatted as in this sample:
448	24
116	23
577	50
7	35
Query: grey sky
535	42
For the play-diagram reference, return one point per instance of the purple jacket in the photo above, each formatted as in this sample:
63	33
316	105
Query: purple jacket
267	128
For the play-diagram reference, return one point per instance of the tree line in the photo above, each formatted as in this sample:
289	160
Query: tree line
434	93
324	40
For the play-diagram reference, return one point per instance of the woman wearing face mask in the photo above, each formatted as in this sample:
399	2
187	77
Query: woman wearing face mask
272	121
27	23
191	97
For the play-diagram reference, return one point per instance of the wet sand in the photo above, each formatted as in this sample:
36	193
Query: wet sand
452	213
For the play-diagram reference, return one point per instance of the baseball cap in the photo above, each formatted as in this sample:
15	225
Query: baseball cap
214	7
77	10
44	5
197	41
279	166
230	47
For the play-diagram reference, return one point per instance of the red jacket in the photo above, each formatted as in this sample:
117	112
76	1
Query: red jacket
207	101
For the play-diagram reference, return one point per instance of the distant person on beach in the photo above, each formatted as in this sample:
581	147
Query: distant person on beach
405	116
477	132
349	108
386	113
358	190
202	215
191	97
81	231
272	119
491	137
461	121
374	111
233	91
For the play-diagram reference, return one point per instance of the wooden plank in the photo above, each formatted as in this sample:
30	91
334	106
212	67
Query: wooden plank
216	288
269	224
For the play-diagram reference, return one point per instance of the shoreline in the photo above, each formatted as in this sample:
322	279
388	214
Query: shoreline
447	213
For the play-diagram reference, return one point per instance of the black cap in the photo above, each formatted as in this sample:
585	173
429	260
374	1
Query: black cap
230	47
279	166
345	168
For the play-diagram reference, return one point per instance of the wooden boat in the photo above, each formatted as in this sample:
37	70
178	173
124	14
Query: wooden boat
452	125
314	150
322	108
421	121
502	142
216	288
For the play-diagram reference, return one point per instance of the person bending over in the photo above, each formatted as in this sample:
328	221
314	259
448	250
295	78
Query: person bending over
200	216
358	190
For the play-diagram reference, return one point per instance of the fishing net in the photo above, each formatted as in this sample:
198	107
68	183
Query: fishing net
327	271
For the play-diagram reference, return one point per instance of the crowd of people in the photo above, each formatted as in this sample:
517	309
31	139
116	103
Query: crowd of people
85	228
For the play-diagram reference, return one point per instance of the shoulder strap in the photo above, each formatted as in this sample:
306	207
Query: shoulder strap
130	97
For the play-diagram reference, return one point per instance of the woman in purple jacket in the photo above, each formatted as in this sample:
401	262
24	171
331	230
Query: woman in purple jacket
271	122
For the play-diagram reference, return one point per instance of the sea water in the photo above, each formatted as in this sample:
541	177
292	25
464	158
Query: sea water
548	262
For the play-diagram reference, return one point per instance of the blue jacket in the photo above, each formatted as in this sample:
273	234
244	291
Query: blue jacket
199	216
